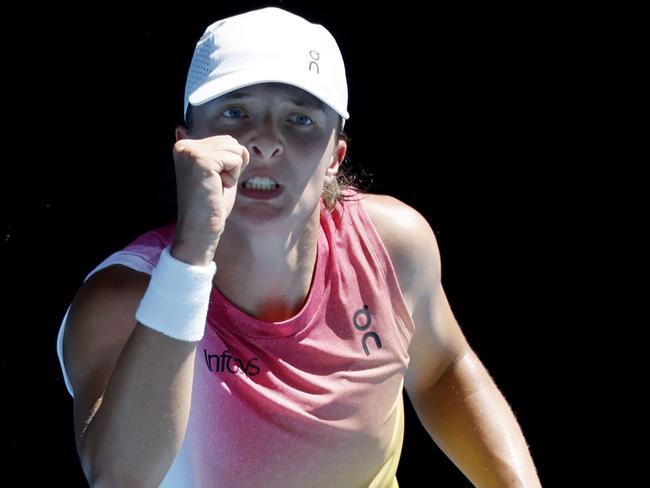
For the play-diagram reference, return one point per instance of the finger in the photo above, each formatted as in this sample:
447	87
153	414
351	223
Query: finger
246	157
227	181
229	166
233	167
228	161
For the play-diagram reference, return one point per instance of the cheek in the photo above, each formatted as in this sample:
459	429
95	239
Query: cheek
309	171
320	165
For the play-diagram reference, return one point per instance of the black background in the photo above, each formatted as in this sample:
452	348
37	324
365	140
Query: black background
470	116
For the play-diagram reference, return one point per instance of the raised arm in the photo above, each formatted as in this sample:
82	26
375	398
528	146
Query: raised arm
132	382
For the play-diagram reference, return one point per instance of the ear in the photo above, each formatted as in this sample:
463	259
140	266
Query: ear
181	132
338	156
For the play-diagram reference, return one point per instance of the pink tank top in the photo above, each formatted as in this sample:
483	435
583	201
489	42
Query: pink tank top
312	401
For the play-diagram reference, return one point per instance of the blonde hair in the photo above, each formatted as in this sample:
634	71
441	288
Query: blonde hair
333	191
345	180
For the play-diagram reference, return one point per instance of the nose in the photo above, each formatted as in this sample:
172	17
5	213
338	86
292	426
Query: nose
265	142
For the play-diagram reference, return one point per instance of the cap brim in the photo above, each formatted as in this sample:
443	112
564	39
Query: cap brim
234	81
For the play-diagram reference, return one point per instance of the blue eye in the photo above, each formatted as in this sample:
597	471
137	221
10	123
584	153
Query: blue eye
235	113
302	119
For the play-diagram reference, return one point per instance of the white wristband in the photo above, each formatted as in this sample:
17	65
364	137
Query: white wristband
176	301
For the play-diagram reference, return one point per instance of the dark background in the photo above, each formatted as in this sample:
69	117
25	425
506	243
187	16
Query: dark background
470	116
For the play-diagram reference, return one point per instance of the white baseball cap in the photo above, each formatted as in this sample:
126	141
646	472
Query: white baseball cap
264	46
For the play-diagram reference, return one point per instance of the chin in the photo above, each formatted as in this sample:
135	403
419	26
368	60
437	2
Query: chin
262	217
258	216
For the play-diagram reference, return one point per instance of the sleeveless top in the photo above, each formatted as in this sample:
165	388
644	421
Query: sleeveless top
312	401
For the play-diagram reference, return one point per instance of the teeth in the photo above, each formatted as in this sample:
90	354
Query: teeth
260	183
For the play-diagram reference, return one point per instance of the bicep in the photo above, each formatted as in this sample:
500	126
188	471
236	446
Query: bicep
100	322
438	339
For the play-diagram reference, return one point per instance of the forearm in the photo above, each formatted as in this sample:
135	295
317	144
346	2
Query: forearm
139	427
470	420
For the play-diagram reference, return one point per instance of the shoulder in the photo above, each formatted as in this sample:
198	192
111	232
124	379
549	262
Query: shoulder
109	293
409	240
101	317
100	321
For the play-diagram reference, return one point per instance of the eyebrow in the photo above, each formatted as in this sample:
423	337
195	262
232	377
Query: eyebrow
312	103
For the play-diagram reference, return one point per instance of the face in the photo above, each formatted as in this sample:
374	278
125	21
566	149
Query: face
292	139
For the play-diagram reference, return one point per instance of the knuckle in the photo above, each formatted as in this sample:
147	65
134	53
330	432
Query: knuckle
181	147
225	138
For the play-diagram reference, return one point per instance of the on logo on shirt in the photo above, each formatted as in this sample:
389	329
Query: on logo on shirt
367	321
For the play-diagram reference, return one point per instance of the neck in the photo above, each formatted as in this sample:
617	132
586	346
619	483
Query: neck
268	273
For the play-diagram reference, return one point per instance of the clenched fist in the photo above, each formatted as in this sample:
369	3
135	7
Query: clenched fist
207	173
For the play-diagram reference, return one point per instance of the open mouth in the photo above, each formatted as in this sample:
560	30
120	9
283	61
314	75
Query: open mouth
260	183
